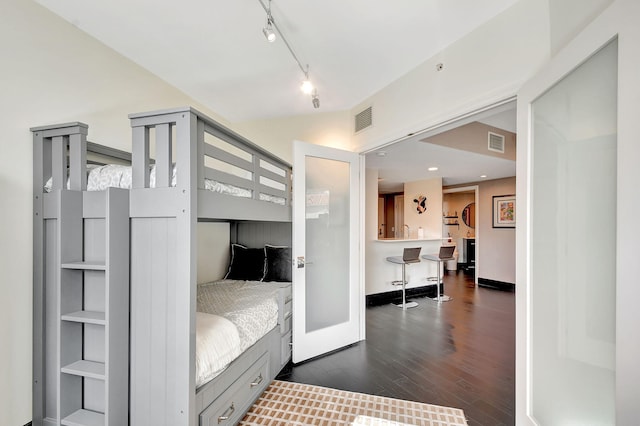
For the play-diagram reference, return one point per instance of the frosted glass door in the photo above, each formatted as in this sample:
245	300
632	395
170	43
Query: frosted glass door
573	287
326	285
326	243
577	291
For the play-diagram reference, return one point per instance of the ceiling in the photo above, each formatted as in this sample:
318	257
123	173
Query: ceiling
215	52
409	160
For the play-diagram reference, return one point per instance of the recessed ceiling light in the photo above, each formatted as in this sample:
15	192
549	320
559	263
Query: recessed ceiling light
432	169
381	153
483	176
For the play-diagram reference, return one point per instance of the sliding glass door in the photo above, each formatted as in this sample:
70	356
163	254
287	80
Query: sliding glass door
577	149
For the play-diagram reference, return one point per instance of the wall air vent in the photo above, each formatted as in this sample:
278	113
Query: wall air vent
363	119
496	142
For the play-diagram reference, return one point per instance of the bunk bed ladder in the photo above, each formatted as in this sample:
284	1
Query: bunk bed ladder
93	305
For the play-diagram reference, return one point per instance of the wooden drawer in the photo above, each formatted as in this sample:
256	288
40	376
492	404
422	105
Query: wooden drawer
231	405
285	348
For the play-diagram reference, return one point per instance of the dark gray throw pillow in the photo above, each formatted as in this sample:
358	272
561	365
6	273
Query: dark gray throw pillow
277	263
246	263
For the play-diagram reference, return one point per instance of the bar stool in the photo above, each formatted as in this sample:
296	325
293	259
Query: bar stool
445	254
409	255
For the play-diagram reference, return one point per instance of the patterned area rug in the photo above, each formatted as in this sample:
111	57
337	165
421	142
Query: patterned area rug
286	403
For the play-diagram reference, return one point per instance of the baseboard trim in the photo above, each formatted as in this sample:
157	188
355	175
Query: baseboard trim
498	285
395	296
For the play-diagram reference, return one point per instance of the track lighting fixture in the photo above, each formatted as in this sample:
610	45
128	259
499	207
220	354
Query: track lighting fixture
269	32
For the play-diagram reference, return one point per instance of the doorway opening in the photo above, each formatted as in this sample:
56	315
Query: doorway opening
425	167
464	235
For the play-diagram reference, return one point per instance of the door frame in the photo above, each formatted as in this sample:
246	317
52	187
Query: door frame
618	20
362	290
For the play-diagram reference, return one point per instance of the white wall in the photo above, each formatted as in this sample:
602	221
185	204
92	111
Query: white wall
331	129
51	73
214	240
568	17
370	225
431	219
496	247
487	65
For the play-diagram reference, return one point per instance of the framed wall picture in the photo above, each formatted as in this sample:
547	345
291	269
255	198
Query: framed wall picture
504	211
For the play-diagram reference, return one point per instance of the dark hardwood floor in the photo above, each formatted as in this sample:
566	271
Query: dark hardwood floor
459	354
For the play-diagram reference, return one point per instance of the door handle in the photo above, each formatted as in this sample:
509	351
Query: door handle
301	262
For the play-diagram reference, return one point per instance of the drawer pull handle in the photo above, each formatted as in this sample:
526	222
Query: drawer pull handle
287	300
227	414
257	381
287	315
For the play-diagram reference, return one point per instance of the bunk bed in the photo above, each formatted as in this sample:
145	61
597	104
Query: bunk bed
115	271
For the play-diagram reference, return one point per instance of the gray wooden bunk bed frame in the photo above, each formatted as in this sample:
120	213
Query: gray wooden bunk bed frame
115	274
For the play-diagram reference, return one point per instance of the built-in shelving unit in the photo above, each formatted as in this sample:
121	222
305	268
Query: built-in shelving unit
93	307
450	221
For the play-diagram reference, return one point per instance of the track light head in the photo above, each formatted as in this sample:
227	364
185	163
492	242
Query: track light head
268	31
315	100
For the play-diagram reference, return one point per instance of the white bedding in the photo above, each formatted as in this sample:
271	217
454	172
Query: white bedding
117	176
251	307
217	344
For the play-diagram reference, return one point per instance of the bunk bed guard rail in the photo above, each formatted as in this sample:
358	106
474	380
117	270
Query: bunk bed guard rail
220	156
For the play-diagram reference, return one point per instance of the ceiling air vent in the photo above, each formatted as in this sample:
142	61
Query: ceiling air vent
496	142
363	119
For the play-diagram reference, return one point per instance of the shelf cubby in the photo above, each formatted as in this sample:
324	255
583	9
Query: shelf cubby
84	368
84	417
86	317
84	265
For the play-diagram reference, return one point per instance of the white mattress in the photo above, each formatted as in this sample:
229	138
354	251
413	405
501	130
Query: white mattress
117	176
250	306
